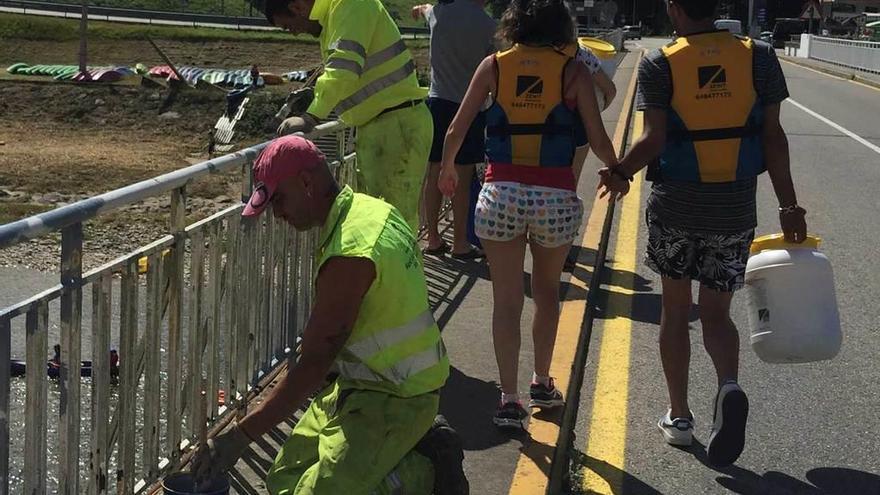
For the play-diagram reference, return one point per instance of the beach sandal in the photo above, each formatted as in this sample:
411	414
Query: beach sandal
440	250
472	254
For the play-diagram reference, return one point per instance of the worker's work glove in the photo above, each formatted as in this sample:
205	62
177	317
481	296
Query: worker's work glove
219	454
303	123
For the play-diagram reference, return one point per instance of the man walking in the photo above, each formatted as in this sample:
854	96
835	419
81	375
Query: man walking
461	37
366	432
370	80
711	102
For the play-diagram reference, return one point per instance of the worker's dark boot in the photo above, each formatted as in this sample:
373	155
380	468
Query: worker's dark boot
443	446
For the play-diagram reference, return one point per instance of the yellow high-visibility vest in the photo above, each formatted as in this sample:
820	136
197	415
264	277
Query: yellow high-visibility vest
395	346
367	66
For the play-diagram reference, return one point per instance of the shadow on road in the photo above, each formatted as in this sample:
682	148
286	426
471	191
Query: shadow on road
469	405
620	481
825	481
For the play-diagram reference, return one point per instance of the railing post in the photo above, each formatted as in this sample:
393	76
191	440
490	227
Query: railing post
215	274
71	352
175	316
196	344
102	297
245	302
128	336
230	296
5	356
37	326
152	363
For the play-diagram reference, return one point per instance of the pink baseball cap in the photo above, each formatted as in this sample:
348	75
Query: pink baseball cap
283	158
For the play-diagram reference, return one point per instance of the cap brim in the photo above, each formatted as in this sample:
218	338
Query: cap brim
259	201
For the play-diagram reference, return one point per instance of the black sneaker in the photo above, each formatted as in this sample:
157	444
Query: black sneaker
728	436
511	415
545	397
442	445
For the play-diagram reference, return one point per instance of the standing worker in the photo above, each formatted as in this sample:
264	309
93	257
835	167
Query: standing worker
370	80
711	102
370	317
462	34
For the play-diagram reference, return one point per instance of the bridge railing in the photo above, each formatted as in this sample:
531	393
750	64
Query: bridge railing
854	54
204	312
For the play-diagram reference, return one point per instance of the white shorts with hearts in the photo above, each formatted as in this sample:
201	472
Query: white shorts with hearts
506	210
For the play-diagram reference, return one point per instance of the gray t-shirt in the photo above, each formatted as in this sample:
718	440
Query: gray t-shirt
727	207
462	35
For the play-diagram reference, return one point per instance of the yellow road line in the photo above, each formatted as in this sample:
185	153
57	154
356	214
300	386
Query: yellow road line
830	75
875	88
533	467
607	439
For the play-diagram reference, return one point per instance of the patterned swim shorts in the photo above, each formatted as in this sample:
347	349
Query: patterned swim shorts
717	261
506	210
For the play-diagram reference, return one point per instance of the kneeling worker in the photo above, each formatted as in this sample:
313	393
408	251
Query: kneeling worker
371	430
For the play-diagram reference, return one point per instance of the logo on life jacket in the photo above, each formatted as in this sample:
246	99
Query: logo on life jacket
529	92
713	82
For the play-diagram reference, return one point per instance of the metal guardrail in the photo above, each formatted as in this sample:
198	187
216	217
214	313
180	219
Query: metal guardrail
72	10
224	300
859	55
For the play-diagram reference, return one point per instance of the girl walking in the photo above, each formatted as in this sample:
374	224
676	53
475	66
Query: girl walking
539	92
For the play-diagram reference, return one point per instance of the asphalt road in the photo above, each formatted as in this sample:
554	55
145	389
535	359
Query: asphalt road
813	428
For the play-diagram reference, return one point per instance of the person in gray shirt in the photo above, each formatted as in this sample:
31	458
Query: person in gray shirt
462	34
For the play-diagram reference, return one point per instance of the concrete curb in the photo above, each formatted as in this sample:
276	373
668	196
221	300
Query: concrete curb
836	73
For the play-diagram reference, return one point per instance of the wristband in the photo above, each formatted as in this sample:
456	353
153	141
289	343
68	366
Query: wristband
616	171
785	210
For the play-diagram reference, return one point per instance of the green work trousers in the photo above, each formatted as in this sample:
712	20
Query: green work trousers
355	442
392	155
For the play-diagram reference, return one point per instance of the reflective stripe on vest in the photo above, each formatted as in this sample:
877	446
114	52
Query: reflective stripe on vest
382	340
345	64
367	348
384	55
351	46
397	373
715	120
376	86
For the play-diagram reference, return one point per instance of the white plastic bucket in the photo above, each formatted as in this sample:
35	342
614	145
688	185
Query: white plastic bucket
792	306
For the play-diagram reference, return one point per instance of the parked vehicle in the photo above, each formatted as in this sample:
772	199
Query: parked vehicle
767	37
732	25
785	29
632	32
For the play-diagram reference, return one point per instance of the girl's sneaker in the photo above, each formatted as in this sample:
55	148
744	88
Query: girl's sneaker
511	415
544	396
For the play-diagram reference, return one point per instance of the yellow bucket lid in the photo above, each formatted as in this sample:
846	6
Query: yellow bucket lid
777	241
600	48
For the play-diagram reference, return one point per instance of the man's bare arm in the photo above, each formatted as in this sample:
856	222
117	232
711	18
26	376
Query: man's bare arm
340	289
649	145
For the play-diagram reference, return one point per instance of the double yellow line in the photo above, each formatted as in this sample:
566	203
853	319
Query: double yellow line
606	443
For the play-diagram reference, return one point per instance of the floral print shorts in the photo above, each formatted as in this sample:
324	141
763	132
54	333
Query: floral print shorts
506	210
717	261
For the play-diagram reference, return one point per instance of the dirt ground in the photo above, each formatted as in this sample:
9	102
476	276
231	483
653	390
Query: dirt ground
63	142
